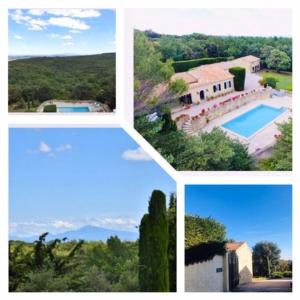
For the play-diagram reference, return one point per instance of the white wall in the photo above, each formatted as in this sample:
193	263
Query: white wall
244	254
203	277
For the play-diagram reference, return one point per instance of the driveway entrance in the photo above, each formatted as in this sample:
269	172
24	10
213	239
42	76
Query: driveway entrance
266	285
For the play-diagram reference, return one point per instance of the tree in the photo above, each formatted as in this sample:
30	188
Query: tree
178	86
266	257
153	246
202	230
172	225
270	81
281	158
239	77
278	60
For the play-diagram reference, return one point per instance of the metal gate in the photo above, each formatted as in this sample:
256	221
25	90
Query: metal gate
233	268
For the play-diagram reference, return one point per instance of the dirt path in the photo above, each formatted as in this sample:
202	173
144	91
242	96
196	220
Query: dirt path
265	285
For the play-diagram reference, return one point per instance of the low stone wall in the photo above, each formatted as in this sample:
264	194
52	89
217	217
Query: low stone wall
217	110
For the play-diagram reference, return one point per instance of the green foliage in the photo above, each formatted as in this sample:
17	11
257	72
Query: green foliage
202	230
199	46
34	80
209	151
284	81
281	158
172	225
185	65
203	252
266	257
50	108
278	60
153	246
149	70
239	77
178	86
59	266
270	81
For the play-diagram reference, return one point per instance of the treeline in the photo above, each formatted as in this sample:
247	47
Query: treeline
34	80
111	266
60	266
197	45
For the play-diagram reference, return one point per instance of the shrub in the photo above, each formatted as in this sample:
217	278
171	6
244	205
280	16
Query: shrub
50	108
239	77
288	274
270	81
185	65
277	275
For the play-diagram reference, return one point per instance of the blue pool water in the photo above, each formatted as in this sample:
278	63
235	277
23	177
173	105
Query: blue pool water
73	109
253	120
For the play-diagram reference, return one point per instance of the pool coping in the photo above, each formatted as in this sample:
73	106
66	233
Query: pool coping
258	131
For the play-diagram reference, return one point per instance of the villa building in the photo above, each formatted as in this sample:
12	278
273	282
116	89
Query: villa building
217	267
214	80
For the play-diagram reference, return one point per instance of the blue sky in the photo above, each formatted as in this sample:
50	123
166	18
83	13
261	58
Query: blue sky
63	179
61	31
214	21
251	213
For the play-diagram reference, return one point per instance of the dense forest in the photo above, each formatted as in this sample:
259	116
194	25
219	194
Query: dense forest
34	80
197	45
59	265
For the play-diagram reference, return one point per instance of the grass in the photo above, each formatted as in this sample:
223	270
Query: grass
285	80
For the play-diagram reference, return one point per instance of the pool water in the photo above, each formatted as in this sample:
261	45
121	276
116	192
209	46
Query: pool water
253	120
74	109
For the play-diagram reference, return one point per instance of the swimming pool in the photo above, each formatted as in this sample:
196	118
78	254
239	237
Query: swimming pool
253	120
73	109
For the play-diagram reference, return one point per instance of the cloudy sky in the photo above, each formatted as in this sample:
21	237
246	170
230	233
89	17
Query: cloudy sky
251	213
61	31
63	179
229	21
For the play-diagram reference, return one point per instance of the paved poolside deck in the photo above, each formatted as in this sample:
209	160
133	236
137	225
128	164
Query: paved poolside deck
263	139
94	106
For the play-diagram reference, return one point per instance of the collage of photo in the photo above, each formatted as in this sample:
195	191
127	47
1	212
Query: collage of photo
206	95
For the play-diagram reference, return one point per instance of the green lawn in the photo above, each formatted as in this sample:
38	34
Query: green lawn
285	81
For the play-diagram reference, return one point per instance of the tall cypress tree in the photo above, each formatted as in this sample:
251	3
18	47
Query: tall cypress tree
145	281
172	242
153	246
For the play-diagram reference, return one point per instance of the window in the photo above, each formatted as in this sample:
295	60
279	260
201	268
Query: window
229	84
225	85
219	85
215	88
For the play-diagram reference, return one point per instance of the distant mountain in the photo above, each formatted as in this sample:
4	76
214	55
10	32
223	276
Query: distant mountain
87	233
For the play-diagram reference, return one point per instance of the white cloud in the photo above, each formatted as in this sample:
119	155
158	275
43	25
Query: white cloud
73	13
54	35
67	37
44	148
62	18
74	31
36	227
69	23
136	154
63	148
67	44
18	37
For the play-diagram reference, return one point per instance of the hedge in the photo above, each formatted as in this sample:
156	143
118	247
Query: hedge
185	65
50	108
239	77
204	252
